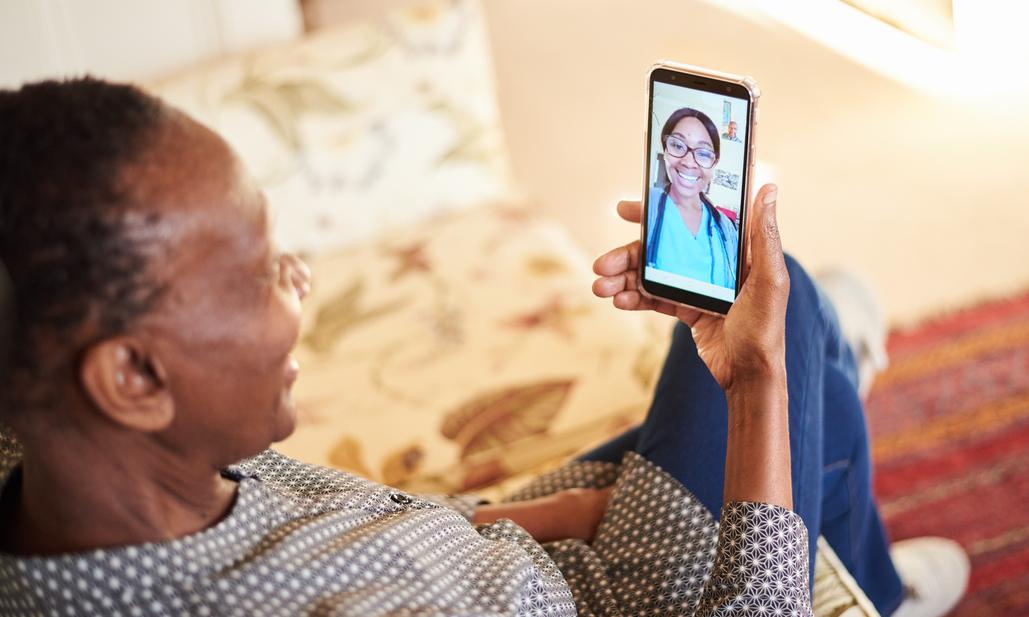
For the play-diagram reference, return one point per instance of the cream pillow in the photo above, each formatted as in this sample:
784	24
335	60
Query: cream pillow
358	129
448	355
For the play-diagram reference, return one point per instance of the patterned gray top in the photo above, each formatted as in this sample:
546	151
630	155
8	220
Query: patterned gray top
305	540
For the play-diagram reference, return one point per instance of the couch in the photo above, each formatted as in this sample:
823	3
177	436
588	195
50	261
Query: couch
451	341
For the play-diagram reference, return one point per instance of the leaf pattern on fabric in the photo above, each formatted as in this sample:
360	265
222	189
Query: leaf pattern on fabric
554	315
647	364
433	28
542	266
282	103
347	454
473	142
402	464
342	313
504	416
410	259
314	411
512	216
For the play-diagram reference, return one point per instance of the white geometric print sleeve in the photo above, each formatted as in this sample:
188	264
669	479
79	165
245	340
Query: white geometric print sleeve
659	551
761	567
306	540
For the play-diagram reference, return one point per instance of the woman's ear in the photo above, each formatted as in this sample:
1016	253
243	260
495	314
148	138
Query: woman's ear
127	385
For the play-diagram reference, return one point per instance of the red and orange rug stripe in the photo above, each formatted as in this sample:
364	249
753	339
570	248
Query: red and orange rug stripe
950	427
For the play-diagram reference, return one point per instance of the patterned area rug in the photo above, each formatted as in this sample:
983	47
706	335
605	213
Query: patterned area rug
950	426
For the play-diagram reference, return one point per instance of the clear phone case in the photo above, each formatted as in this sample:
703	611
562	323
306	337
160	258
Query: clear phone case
755	93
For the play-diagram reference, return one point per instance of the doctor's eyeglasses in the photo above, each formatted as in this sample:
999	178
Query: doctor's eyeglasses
677	148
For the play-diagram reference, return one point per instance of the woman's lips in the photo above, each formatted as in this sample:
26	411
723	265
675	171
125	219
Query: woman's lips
686	179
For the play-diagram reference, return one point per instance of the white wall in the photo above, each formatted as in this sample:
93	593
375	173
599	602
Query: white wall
133	39
925	195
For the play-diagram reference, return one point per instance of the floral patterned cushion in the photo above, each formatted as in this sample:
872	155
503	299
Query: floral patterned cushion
361	128
466	353
451	354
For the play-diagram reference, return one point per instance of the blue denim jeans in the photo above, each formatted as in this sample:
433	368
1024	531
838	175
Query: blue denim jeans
686	429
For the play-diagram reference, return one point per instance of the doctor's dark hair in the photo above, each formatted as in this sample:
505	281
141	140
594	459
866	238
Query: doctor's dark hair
689	112
73	268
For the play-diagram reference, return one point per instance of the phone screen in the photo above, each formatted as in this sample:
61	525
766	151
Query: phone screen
695	190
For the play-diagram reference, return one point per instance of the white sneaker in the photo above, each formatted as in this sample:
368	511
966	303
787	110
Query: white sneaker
861	321
934	572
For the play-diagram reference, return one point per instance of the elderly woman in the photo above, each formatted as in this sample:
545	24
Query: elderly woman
689	235
151	370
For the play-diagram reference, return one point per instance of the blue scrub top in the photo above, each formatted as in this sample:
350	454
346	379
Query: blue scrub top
681	252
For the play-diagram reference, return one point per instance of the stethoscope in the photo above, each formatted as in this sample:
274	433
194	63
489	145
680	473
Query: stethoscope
656	236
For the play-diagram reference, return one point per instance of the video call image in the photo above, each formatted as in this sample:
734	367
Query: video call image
695	190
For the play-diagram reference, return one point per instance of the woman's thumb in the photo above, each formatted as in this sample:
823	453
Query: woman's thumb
766	246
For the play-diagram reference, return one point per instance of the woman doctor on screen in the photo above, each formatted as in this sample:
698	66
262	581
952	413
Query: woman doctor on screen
689	235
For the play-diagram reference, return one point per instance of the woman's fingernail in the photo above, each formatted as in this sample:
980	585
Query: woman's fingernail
770	197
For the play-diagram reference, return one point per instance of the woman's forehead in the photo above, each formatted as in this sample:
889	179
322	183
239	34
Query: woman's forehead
210	213
692	130
226	238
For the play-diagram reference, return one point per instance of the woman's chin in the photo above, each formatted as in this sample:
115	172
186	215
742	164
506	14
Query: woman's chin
286	419
686	191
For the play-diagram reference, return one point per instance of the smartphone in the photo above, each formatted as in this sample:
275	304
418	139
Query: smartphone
699	153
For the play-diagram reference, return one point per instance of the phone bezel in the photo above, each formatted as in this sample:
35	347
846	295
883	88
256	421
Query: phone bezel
717	83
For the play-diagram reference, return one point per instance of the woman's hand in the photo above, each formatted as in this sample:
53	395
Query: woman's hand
751	338
573	513
579	511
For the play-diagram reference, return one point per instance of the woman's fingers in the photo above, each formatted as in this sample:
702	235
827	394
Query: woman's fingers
607	286
665	308
688	316
619	260
633	300
619	280
618	271
631	211
617	268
